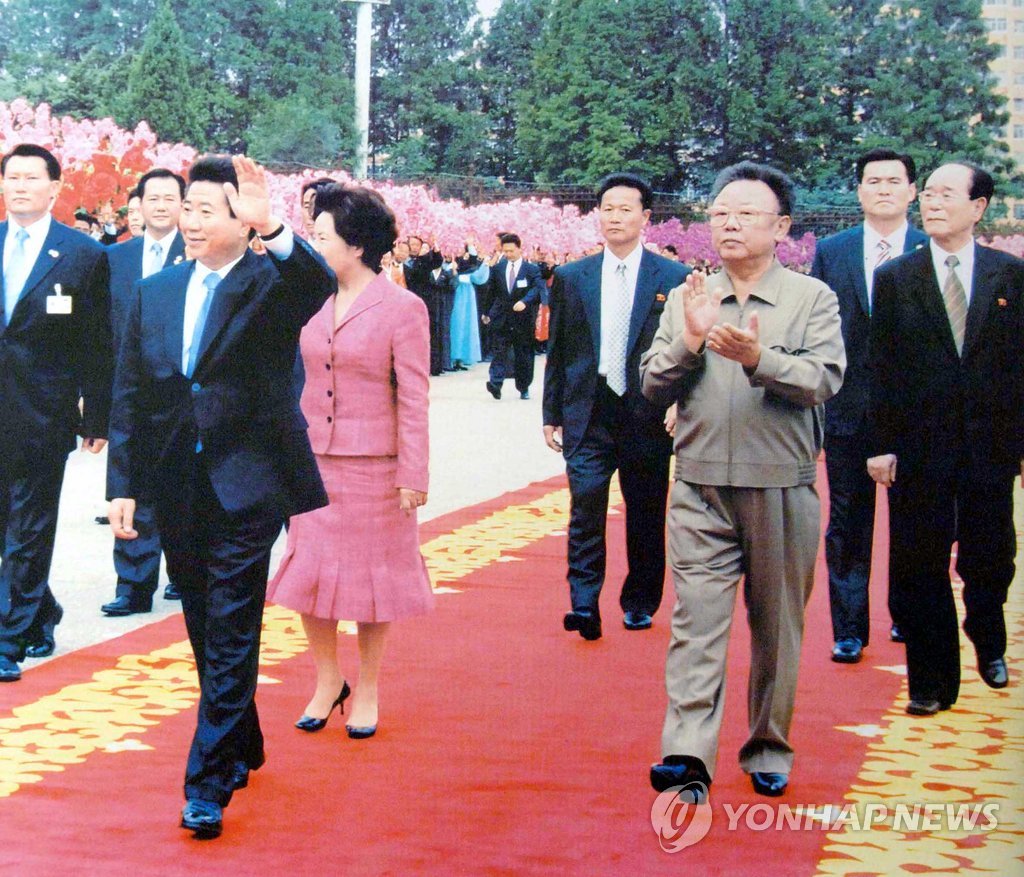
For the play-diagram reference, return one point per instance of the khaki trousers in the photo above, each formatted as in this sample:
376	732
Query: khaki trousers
716	536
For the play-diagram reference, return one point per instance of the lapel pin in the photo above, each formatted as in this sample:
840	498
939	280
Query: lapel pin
1001	302
659	297
53	253
177	259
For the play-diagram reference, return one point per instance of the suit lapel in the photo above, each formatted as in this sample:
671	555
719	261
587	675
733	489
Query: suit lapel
855	266
643	298
176	253
370	297
230	293
49	257
929	296
590	293
173	299
983	286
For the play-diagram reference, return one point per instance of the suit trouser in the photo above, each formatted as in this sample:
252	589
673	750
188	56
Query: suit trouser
444	328
614	441
30	484
221	564
768	536
505	344
926	515
137	561
851	528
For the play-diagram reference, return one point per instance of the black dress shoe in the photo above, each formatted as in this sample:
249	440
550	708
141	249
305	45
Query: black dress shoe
494	390
239	775
525	394
895	634
925	707
102	519
9	670
308	723
125	605
171	592
361	733
205	818
636	621
687	771
847	650
770	784
586	624
994	673
42	648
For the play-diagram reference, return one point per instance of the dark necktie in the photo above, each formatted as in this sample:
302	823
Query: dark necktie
955	298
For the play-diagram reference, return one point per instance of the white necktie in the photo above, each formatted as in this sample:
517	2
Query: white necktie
618	332
156	259
16	272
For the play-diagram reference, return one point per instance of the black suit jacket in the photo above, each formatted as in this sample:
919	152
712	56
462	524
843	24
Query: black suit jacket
839	262
125	268
574	344
941	413
240	402
528	287
49	361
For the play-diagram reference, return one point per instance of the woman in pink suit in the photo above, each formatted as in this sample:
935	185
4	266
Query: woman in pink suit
367	361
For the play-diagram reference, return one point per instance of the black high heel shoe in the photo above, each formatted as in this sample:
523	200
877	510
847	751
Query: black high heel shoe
361	733
308	723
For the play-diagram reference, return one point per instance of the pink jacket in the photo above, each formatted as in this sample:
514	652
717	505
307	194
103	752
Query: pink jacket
367	382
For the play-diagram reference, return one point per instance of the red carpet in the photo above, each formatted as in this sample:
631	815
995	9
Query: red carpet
506	746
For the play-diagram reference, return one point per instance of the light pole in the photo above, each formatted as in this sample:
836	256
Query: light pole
364	35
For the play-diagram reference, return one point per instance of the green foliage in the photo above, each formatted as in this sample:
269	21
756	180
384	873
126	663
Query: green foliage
297	130
159	86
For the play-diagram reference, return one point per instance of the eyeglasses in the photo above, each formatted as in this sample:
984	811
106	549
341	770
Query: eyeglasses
719	216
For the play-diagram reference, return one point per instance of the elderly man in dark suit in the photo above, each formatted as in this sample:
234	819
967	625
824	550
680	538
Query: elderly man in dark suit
206	426
137	561
55	350
514	291
846	262
947	411
605	311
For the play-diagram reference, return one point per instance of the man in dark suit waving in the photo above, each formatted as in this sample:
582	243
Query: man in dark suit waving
604	313
947	411
514	291
206	426
846	262
137	561
54	351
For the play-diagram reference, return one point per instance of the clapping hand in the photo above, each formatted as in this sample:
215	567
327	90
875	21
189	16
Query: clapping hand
700	309
739	345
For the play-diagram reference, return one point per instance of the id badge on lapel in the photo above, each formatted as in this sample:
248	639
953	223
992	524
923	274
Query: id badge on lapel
58	303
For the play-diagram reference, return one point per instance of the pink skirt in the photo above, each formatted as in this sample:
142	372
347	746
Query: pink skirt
358	558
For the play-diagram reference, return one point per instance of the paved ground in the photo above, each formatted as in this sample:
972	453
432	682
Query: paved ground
480	448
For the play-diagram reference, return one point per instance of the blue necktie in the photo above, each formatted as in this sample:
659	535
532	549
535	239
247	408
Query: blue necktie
16	272
210	282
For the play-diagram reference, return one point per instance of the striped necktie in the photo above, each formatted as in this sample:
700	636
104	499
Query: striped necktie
954	296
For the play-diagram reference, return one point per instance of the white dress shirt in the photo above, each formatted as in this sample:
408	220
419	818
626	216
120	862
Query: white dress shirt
965	270
609	293
37	233
897	241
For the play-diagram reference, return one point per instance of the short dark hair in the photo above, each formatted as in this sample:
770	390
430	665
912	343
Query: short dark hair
84	215
317	184
982	184
134	193
214	169
32	150
361	218
630	181
159	173
670	248
507	237
883	154
774	179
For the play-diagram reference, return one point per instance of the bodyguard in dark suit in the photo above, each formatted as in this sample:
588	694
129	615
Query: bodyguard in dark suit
605	310
137	561
54	351
846	262
207	427
947	409
514	291
418	268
